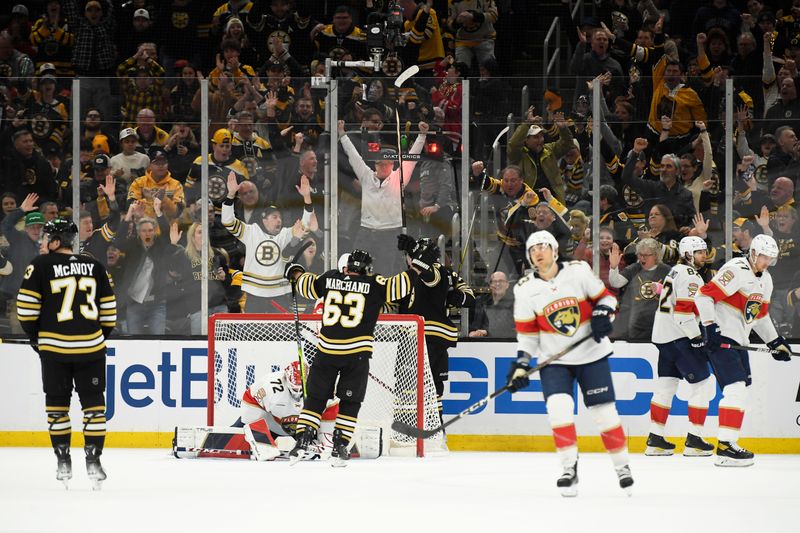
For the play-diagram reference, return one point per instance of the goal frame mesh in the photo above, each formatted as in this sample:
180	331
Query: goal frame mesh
418	343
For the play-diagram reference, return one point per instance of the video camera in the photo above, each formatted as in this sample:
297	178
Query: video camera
385	32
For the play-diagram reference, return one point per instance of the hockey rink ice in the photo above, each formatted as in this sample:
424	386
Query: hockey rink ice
150	491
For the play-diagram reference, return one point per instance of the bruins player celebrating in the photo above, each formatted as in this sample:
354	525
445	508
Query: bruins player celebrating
434	290
555	308
353	297
67	307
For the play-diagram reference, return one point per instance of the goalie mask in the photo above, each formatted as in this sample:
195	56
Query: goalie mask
294	379
688	246
360	262
62	230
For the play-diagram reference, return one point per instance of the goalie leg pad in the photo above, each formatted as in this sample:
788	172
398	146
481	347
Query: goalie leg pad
259	437
367	442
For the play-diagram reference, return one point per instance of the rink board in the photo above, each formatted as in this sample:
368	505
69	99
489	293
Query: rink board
155	385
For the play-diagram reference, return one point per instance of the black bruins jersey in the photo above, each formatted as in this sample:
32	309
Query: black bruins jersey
351	307
66	305
217	179
430	299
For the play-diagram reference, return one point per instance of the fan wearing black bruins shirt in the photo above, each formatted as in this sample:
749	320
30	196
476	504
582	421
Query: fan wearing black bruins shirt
433	292
353	299
67	307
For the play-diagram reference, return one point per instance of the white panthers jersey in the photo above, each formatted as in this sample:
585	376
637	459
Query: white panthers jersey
738	300
553	315
263	264
272	395
676	316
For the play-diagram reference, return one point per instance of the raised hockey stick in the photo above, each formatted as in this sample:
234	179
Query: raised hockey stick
398	82
761	349
417	433
293	283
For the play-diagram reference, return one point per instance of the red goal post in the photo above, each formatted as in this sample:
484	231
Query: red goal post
244	347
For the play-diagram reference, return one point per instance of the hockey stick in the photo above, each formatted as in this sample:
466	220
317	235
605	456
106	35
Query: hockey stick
178	449
760	349
414	432
293	283
15	341
401	79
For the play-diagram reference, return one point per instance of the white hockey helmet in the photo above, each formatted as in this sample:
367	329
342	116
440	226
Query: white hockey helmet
294	379
689	245
343	259
764	244
540	237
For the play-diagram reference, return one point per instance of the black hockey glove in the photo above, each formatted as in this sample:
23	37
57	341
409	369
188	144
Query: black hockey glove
698	346
712	337
601	322
406	243
518	374
780	349
291	269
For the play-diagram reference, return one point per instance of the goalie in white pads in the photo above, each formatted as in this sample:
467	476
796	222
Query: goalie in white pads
556	306
269	412
732	304
681	353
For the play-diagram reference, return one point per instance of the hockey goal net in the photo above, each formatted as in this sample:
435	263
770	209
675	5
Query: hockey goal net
244	347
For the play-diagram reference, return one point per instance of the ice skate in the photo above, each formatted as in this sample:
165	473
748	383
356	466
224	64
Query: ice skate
697	447
658	445
625	479
64	469
340	454
301	451
93	467
568	482
731	454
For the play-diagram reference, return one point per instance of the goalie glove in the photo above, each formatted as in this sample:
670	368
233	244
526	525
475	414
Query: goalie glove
517	378
601	322
292	269
780	349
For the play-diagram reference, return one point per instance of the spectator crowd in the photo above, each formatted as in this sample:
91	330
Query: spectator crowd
661	66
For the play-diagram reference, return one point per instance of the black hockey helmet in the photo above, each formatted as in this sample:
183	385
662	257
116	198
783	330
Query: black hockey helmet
359	262
62	229
424	244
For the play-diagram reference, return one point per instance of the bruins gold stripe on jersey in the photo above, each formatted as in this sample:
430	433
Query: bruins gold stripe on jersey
236	228
29	305
305	285
345	346
397	287
439	329
71	344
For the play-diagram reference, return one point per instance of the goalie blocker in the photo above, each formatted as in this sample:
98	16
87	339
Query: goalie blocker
255	442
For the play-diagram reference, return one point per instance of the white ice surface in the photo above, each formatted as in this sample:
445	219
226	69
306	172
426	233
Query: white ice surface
150	491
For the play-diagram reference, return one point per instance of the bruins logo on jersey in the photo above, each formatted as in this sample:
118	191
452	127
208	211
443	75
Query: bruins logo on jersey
41	126
632	198
217	187
564	315
268	253
5	70
180	19
752	308
649	290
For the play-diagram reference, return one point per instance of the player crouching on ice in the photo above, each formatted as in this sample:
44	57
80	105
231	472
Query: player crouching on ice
269	413
681	353
558	306
734	302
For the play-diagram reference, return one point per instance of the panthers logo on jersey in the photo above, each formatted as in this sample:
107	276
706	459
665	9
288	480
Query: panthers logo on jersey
752	308
564	315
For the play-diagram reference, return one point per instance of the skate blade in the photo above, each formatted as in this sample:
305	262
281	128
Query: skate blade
65	481
569	492
694	452
337	462
628	491
735	463
652	451
97	484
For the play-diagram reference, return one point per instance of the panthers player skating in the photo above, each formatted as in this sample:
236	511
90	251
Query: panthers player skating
734	302
270	408
67	307
681	353
557	306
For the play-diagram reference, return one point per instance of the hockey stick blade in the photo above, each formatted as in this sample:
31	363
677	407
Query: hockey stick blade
760	349
414	432
405	75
